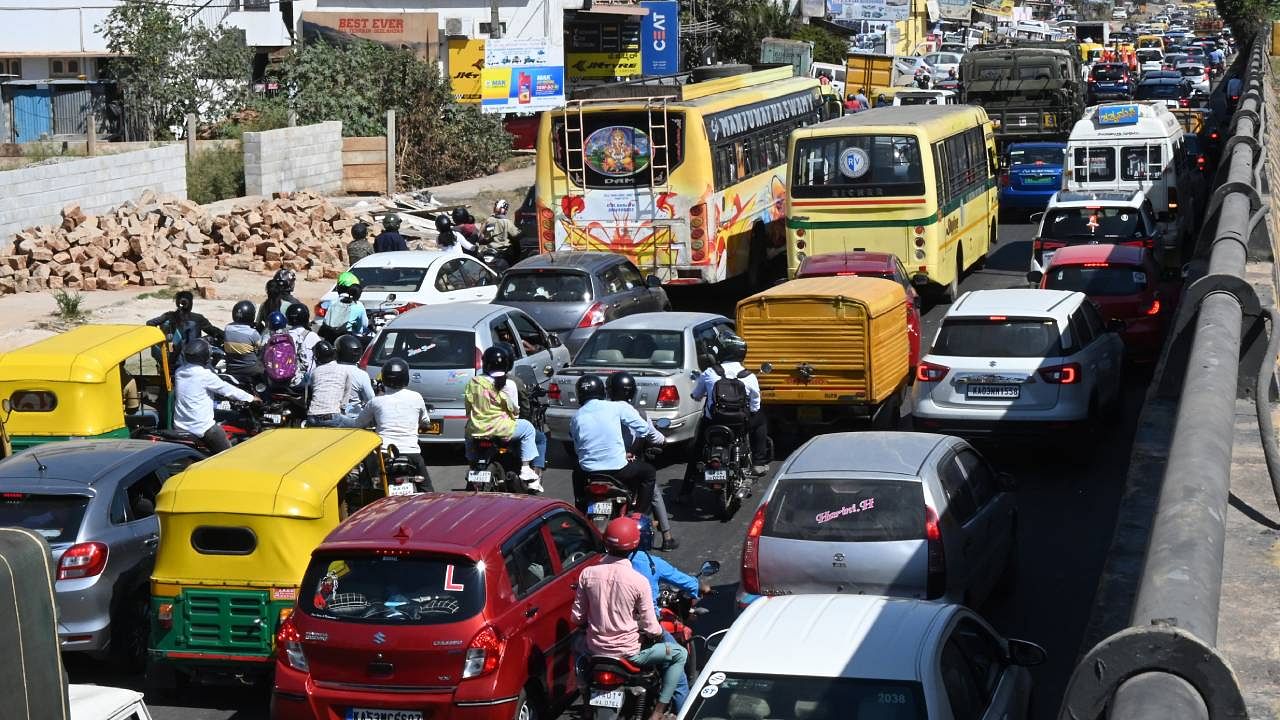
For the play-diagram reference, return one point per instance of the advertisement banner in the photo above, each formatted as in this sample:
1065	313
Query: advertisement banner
997	8
603	50
884	10
660	38
955	9
417	31
466	61
522	76
604	65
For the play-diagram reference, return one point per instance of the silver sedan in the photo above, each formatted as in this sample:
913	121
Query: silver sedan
666	352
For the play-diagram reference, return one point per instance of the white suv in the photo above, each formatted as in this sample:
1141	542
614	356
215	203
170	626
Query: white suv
1019	361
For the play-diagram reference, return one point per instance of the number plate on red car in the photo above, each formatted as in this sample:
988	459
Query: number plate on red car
376	714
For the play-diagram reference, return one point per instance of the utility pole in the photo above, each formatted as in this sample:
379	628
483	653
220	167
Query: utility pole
495	21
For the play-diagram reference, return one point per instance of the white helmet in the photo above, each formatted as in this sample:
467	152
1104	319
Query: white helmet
501	206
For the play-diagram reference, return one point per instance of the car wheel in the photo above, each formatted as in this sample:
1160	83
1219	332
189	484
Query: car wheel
526	707
131	632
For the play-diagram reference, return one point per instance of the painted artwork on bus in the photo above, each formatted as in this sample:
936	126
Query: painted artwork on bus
617	151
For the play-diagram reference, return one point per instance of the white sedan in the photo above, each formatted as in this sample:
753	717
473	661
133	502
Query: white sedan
1197	74
417	278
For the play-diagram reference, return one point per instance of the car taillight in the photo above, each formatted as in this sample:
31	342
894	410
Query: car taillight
483	654
319	310
365	357
668	397
82	560
930	372
606	678
936	575
553	392
1200	163
164	615
1153	308
1068	374
593	316
289	645
698	232
1173	198
1004	179
751	553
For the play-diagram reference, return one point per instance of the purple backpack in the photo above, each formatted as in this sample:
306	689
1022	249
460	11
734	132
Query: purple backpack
280	358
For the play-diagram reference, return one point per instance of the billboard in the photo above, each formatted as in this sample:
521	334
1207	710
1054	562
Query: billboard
955	9
660	38
522	76
598	49
885	10
466	62
415	31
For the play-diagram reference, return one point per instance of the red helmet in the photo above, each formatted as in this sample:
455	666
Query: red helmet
622	535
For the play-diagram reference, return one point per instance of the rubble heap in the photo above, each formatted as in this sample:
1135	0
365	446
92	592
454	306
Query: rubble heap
162	240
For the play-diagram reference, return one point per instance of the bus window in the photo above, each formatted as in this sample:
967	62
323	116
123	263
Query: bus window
617	152
1099	167
858	165
1140	163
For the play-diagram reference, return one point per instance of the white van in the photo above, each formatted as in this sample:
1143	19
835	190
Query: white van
925	97
835	72
1130	146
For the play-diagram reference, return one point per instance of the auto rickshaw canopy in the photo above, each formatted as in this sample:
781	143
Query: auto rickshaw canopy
85	354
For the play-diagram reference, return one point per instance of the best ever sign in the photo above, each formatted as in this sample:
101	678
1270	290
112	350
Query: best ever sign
660	38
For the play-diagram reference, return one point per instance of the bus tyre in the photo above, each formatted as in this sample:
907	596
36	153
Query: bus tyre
952	290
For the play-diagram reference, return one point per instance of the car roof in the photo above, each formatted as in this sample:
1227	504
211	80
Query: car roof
661	320
1102	253
458	523
589	261
1016	302
856	636
898	453
91	702
1077	198
456	316
78	463
1161	80
401	258
848	261
82	354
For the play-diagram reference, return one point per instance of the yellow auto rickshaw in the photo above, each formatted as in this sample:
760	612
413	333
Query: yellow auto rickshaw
237	531
93	381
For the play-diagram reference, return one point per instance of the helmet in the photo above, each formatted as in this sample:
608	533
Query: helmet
732	349
323	353
298	315
622	536
500	207
349	349
461	216
622	386
497	359
359	231
196	351
395	373
276	321
349	284
443	223
284	279
243	313
590	387
183	300
391	221
348	278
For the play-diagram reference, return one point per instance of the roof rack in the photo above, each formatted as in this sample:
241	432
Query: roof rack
684	85
668	85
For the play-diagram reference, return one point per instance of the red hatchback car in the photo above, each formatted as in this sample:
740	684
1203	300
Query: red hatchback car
870	264
437	606
1124	282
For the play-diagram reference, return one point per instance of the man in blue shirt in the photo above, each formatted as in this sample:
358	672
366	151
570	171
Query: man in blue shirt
597	431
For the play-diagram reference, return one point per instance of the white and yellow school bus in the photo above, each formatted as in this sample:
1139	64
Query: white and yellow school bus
917	181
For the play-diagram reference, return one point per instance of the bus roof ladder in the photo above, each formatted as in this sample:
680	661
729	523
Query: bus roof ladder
574	152
659	159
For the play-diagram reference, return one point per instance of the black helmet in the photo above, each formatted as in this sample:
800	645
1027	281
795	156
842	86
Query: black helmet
349	349
298	315
395	374
243	313
284	279
497	359
443	223
732	349
323	353
196	352
622	386
183	300
461	216
391	221
359	231
590	387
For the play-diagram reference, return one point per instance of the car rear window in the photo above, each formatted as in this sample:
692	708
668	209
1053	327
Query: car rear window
392	589
633	348
1159	91
1107	73
566	287
847	510
792	697
56	517
1098	280
998	337
427	349
390	279
1084	223
1037	156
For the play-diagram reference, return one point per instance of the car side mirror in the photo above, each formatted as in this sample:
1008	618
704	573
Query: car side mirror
554	339
709	568
1025	654
6	406
1034	277
652	281
391	298
1115	325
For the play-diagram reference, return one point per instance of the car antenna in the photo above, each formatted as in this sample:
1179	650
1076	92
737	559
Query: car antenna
39	465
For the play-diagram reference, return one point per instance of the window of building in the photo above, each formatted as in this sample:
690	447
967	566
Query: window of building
64	67
11	66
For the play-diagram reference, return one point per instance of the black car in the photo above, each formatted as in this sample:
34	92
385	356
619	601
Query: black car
1173	92
1109	81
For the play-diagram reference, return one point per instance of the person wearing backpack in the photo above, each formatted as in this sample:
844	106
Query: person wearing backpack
279	353
732	395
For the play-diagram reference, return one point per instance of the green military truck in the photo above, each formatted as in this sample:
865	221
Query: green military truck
1030	93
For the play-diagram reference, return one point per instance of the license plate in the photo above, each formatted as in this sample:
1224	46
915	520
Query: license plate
434	428
717	475
809	414
611	699
480	477
998	392
371	714
404	488
1045	259
273	417
1045	180
600	508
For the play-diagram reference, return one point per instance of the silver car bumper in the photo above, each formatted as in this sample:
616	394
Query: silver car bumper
683	427
84	614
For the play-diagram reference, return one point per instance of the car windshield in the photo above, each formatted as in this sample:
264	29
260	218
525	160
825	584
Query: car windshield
998	337
56	517
390	279
392	589
633	348
544	286
1107	73
1082	223
1096	280
791	697
1149	55
1159	91
1037	156
847	510
427	349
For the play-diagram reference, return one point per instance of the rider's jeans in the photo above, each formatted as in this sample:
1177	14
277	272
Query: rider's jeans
669	658
524	433
682	686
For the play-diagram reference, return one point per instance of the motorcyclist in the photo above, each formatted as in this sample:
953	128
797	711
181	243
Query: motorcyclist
524	390
449	239
349	349
465	224
731	352
346	315
397	416
615	604
359	248
242	344
622	389
390	239
182	324
500	233
279	295
596	429
493	411
299	319
195	386
332	384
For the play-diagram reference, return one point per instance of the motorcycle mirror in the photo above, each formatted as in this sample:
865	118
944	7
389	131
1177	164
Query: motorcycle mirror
390	298
525	375
662	423
766	368
709	568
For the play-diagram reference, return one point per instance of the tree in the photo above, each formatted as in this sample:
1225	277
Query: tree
169	67
741	25
828	47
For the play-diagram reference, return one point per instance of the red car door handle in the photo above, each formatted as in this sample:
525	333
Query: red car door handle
531	612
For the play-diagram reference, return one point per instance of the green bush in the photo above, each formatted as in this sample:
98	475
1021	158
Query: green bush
828	47
215	175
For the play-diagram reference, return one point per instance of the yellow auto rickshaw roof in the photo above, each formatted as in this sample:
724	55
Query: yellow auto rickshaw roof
286	472
878	294
84	354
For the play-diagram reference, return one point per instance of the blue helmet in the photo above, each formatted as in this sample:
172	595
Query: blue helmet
276	321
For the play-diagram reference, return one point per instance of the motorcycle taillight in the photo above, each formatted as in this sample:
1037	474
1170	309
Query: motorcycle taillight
599	488
606	678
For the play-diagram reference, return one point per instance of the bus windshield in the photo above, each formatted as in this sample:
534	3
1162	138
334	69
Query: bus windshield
858	166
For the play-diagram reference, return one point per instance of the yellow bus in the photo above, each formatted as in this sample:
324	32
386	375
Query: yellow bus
687	180
916	181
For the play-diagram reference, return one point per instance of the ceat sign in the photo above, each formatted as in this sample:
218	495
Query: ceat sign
660	38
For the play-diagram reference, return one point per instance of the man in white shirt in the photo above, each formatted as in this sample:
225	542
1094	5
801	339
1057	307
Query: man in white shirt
397	416
732	352
349	349
331	384
195	387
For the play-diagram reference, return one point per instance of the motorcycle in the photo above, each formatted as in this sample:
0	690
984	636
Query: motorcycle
618	688
402	475
239	420
496	467
677	610
380	316
726	459
609	498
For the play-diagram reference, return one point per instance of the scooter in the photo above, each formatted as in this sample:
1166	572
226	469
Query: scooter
676	612
402	475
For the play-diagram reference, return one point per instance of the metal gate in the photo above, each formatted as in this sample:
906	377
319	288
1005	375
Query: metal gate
32	112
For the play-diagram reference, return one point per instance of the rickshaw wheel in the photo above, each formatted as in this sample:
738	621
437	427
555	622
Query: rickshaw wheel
163	681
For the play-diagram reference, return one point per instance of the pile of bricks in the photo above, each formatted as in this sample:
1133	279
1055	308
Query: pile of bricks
162	240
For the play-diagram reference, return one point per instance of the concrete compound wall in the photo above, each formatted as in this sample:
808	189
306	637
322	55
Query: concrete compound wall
36	195
308	157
